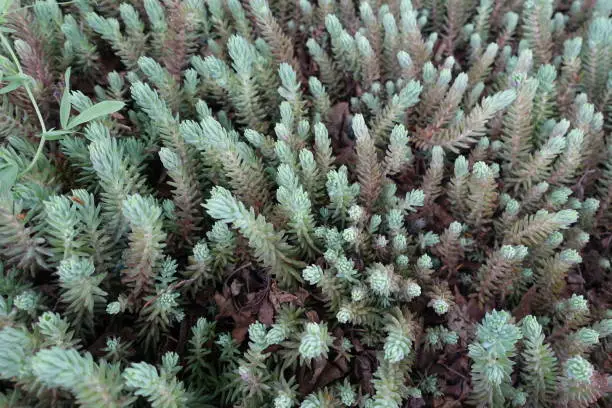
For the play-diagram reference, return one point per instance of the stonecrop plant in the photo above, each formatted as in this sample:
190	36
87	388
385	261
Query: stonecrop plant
315	204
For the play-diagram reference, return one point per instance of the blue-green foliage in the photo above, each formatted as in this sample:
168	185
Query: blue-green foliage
266	203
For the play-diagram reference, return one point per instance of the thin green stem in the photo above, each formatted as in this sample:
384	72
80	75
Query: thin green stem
43	127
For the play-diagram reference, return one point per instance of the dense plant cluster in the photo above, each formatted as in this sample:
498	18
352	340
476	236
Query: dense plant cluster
270	203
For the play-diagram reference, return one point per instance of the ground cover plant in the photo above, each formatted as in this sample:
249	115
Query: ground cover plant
258	203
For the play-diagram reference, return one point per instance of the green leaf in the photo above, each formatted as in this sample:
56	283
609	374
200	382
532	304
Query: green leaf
8	176
4	6
94	112
20	77
14	82
65	103
5	61
56	134
10	87
14	77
